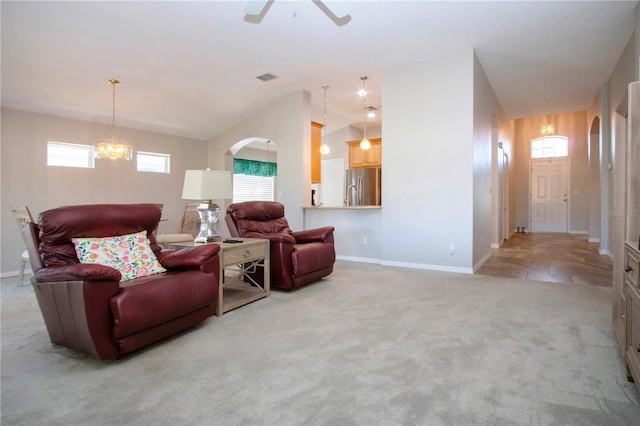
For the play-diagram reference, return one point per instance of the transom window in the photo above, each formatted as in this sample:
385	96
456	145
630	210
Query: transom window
153	162
550	146
65	154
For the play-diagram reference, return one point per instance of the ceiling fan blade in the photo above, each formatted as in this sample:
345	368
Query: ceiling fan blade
255	7
340	9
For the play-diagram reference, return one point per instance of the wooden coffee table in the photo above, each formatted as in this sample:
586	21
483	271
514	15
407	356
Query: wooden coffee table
235	260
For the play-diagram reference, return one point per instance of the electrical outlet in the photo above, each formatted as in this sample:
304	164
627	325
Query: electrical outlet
452	249
364	241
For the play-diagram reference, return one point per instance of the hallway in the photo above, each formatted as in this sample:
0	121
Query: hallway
562	258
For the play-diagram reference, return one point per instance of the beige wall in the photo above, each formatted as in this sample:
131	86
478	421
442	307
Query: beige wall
27	180
287	123
490	126
574	126
427	157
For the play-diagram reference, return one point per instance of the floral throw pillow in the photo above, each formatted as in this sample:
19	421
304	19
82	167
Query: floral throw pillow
130	254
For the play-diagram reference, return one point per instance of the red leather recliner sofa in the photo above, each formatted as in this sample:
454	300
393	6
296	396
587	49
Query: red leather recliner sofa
85	306
297	258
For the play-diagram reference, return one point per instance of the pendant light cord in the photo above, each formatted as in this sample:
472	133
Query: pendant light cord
325	113
113	119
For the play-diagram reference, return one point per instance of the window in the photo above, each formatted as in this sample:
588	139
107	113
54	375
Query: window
253	180
153	162
550	146
70	155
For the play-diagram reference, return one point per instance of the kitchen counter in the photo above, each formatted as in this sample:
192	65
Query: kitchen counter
343	208
357	230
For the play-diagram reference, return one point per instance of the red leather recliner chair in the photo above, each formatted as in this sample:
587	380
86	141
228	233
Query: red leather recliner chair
297	258
85	306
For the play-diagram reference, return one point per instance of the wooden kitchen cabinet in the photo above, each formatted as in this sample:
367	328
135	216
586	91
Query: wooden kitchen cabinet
316	143
369	158
626	306
632	314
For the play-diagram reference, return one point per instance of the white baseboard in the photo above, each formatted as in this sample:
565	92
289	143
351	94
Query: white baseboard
442	268
459	269
605	253
27	272
481	262
358	259
495	245
579	232
594	240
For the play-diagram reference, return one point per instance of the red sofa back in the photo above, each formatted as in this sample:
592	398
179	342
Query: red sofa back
58	226
265	217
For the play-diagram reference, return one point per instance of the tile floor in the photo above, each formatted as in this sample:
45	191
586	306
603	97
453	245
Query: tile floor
563	258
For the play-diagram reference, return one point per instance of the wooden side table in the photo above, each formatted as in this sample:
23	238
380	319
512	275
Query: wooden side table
235	260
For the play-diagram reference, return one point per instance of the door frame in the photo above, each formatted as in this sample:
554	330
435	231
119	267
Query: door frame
506	232
536	160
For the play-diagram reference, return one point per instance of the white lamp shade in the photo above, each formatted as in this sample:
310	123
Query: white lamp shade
207	185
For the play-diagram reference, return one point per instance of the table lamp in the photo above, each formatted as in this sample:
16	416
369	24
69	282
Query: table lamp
207	185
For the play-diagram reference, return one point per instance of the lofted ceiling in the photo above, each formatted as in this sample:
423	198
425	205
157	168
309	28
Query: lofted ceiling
190	68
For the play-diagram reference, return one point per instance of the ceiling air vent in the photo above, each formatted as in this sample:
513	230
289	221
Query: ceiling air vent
267	77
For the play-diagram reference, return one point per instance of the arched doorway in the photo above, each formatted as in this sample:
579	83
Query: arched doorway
253	162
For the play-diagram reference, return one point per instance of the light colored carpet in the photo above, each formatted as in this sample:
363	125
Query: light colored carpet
369	345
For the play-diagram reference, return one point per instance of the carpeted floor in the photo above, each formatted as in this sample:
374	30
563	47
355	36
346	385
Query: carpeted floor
369	345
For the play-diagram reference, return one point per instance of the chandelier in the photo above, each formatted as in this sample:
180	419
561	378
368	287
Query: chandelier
114	149
364	143
547	128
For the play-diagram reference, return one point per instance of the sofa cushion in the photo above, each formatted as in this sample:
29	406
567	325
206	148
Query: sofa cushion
130	254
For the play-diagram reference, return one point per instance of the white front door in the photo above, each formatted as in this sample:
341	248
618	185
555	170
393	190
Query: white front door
549	186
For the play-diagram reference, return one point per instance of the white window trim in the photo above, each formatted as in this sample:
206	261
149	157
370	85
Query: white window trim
553	138
88	162
159	155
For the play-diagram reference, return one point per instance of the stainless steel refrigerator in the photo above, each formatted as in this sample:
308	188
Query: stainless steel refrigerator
363	187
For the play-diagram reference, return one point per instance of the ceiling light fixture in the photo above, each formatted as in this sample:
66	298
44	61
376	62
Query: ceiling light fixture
114	149
364	143
324	148
547	128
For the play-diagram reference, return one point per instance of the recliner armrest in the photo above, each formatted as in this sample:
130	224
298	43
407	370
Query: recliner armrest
191	257
274	238
323	234
77	272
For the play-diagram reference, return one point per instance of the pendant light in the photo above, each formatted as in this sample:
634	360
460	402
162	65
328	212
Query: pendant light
324	148
114	149
364	143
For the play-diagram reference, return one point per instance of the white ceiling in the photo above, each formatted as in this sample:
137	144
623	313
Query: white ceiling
189	68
